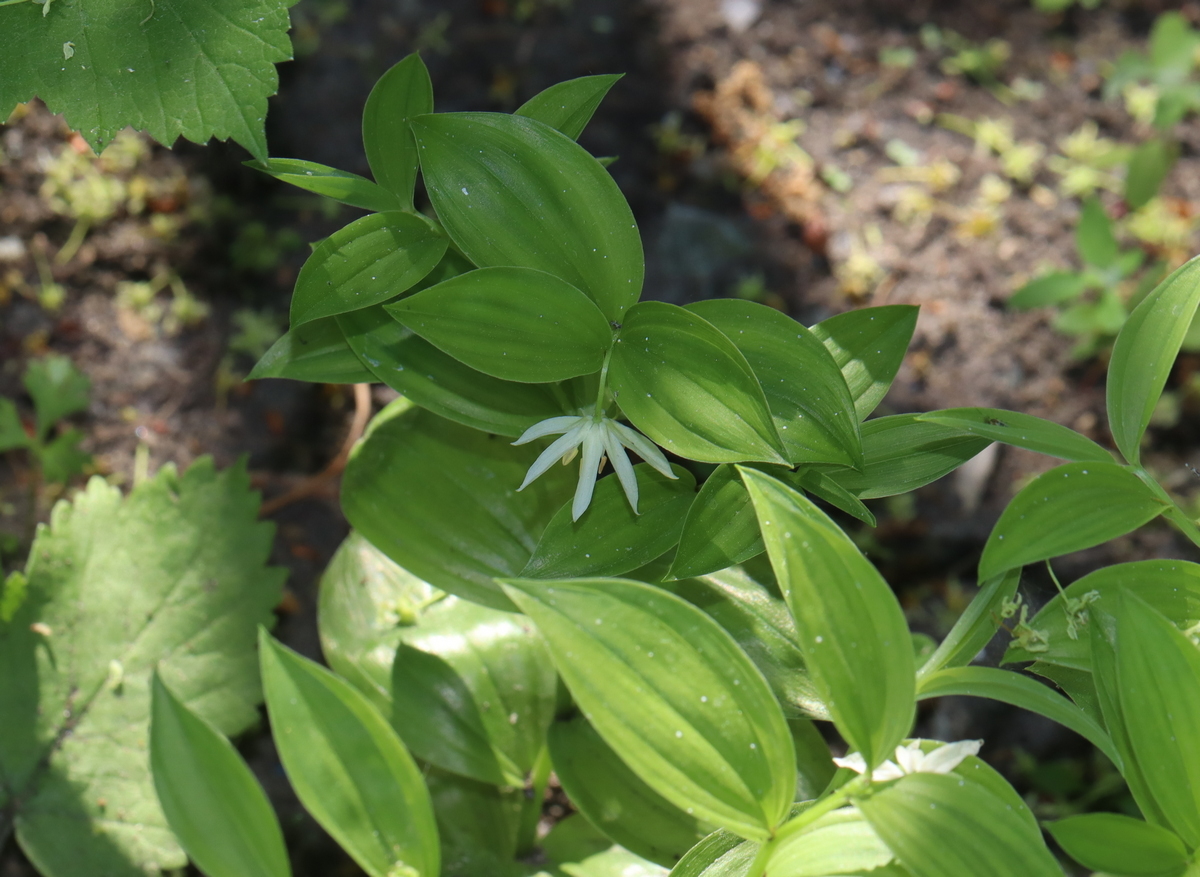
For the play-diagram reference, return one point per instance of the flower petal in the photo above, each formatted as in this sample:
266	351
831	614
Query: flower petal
643	447
854	761
624	469
886	772
910	757
945	758
592	451
557	448
549	426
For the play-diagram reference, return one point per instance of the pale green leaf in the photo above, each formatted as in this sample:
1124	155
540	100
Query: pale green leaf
172	577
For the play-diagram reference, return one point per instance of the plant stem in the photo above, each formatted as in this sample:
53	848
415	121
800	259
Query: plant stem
74	242
531	810
837	798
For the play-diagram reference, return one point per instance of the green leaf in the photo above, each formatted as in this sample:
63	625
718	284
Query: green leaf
172	577
943	826
1158	683
568	106
212	801
613	539
412	366
348	767
720	529
684	384
400	95
721	854
1170	586
1020	431
1020	691
513	191
1094	235
615	800
672	694
477	825
1069	508
516	324
1144	353
851	628
12	432
823	487
1172	44
330	182
13	591
1120	844
903	453
316	352
840	842
60	459
577	849
759	620
868	345
369	261
975	628
1050	289
121	72
474	691
1148	167
805	390
441	500
58	390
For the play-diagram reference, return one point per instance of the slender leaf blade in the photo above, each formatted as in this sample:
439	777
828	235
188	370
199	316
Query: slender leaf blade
348	767
317	352
211	800
401	94
1069	508
1020	431
330	182
569	106
720	529
672	694
1094	235
516	324
868	345
1120	844
975	628
1144	352
1050	289
684	384
851	628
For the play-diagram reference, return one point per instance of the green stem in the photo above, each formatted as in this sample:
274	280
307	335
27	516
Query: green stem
833	801
74	242
531	811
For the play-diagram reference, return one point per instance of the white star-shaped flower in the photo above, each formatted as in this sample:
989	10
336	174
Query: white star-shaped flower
598	437
910	759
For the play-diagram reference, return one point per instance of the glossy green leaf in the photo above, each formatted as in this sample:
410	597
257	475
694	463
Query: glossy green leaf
615	800
684	384
975	628
805	390
868	345
12	433
513	191
1050	289
1149	165
1020	431
348	767
1120	845
473	691
441	500
412	366
171	578
369	261
516	324
1069	508
1010	687
1094	235
721	854
568	106
477	825
1144	353
211	800
402	93
58	390
1170	586
339	185
611	539
759	620
841	842
672	694
820	485
316	352
902	453
1158	679
942	826
851	628
720	529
